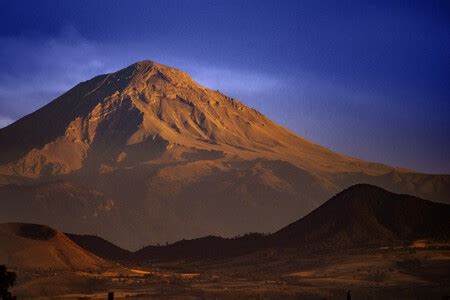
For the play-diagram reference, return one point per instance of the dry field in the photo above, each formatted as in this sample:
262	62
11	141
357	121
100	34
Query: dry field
412	272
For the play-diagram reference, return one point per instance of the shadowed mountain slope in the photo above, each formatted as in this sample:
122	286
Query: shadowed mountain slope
100	246
173	160
365	215
210	247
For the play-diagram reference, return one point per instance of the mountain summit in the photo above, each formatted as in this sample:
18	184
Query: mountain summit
164	111
147	150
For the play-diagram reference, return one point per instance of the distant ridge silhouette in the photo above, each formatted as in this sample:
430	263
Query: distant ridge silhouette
360	216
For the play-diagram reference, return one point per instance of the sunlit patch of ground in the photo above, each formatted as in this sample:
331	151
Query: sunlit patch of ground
140	272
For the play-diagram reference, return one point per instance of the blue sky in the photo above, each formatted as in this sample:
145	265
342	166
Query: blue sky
366	78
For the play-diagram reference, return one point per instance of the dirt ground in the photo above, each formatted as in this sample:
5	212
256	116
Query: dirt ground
421	271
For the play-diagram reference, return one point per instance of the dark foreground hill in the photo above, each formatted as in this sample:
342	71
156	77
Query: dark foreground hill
360	216
365	215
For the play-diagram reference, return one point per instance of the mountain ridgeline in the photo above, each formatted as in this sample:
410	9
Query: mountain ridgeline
146	155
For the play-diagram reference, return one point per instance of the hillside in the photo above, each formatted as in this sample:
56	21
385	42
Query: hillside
158	157
100	247
38	247
365	215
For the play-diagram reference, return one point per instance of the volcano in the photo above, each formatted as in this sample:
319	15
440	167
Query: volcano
38	247
146	155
